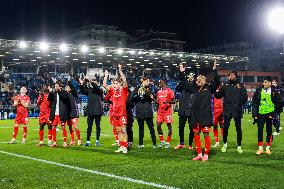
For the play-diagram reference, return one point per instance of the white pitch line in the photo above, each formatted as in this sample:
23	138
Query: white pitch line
91	171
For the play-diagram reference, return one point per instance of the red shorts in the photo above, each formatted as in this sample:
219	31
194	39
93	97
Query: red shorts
118	121
197	128
164	117
44	118
73	121
218	118
21	120
57	121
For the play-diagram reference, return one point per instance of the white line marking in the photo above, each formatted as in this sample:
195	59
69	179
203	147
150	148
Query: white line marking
92	171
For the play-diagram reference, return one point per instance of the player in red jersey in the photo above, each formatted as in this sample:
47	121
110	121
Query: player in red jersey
165	99
119	114
44	114
108	98
21	102
217	118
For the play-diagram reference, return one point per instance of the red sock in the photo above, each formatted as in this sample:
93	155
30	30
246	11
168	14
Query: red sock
54	134
161	138
207	144
78	134
197	143
260	143
41	132
64	134
115	134
215	131
125	144
15	133
72	135
121	143
25	131
169	139
50	134
270	141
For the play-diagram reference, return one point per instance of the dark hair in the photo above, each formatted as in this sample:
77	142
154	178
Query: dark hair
234	72
144	78
119	80
268	78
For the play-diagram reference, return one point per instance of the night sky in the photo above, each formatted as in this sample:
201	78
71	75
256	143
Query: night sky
200	23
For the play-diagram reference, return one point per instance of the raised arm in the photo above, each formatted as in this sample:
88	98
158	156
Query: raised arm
122	76
105	81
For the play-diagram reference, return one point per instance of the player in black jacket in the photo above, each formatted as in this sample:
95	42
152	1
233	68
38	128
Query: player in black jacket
185	106
73	113
234	96
201	114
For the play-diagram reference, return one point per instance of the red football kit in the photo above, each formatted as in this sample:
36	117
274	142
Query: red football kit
165	111
218	112
119	113
44	108
22	112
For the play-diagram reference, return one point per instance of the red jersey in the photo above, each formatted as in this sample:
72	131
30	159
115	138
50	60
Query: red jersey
44	104
108	97
119	98
218	105
163	96
21	110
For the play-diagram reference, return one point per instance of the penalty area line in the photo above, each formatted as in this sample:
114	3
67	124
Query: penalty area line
91	171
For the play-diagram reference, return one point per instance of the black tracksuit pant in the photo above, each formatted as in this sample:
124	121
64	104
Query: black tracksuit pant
238	122
267	120
90	121
182	122
150	124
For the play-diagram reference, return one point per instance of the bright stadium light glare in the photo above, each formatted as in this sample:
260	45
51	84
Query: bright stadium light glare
102	50
63	47
276	20
119	51
43	46
84	48
132	52
23	45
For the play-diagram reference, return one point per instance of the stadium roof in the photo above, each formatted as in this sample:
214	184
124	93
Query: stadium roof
16	52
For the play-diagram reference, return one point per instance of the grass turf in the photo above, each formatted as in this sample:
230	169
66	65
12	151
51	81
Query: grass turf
161	166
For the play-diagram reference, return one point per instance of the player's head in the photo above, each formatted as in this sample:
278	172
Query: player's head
69	87
145	81
162	83
232	75
45	88
274	83
23	90
267	82
200	80
58	85
117	83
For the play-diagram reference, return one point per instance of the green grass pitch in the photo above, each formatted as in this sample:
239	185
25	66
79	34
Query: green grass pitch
161	166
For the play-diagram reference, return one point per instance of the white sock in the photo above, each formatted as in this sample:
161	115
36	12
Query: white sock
260	148
88	142
225	145
267	147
